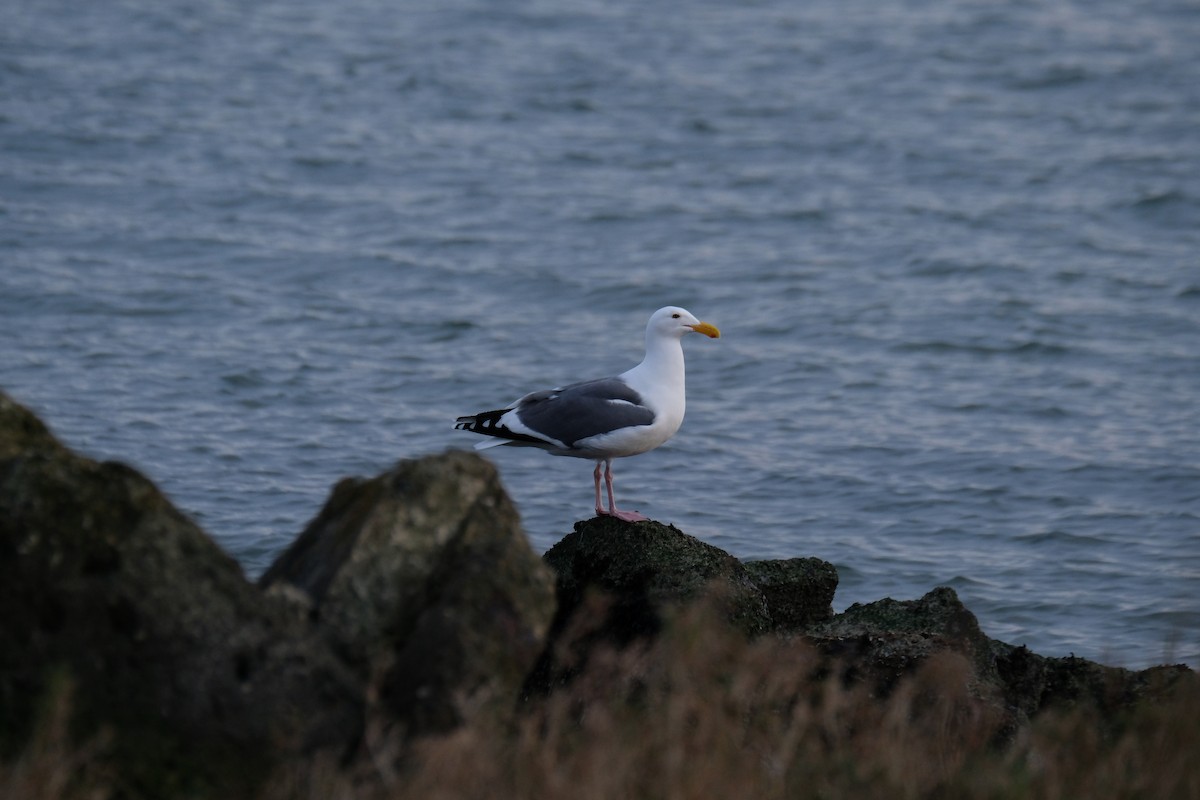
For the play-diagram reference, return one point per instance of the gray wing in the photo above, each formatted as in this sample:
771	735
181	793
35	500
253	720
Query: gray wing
584	409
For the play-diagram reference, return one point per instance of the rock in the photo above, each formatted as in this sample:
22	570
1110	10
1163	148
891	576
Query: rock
799	591
426	582
165	642
887	642
413	601
650	567
22	432
618	583
1031	683
888	638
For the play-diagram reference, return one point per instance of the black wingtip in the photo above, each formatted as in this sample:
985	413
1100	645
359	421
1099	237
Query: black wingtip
486	422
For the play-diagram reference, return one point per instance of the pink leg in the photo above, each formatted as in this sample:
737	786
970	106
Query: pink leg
599	508
627	516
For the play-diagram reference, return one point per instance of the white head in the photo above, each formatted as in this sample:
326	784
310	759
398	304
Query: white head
675	322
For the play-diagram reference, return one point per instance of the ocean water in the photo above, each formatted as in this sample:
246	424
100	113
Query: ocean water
953	247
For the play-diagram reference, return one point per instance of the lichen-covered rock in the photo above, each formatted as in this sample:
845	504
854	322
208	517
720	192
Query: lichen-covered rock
1031	683
888	638
799	591
888	642
618	583
650	567
21	432
425	580
168	647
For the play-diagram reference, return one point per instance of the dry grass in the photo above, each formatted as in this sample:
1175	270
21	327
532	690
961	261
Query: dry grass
700	714
52	767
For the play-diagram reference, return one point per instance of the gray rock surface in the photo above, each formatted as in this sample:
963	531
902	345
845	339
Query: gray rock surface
655	566
412	602
168	647
798	591
424	579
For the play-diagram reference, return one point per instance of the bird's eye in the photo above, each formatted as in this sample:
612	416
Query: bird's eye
674	316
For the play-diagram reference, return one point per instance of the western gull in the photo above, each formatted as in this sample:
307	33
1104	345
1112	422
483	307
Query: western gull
605	418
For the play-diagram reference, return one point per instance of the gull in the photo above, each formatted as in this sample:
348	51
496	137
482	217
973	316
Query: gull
605	418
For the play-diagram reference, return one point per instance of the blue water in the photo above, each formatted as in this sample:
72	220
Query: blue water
954	249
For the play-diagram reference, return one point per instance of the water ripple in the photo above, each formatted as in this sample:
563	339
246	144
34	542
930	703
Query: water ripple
253	249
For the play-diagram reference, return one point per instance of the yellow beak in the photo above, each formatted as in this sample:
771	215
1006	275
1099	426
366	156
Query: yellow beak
708	330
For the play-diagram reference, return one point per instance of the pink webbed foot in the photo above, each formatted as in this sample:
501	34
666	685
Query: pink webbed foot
624	516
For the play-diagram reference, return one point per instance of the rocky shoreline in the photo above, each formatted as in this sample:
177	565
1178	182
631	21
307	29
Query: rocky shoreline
411	606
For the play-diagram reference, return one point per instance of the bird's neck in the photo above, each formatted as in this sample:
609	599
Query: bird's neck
665	355
661	369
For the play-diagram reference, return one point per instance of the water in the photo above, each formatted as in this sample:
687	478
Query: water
953	248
